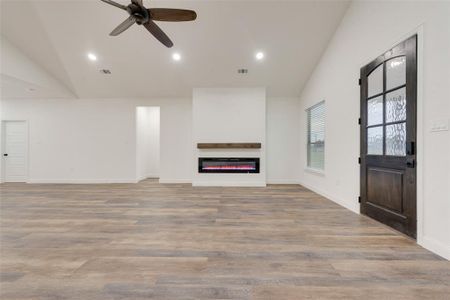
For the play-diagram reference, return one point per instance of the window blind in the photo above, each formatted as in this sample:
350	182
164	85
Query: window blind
316	136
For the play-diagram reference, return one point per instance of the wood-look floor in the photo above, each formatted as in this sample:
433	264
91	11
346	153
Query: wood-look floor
153	241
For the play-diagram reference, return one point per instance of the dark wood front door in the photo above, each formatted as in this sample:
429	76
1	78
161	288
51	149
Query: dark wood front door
388	137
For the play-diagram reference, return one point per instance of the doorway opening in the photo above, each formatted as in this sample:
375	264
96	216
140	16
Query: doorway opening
15	151
147	142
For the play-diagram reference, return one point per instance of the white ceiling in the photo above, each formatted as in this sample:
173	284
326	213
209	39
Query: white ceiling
226	35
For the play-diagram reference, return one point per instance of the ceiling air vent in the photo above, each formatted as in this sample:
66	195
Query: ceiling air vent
242	71
105	71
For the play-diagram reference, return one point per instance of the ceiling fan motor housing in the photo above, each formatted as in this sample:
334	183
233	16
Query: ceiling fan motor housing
139	13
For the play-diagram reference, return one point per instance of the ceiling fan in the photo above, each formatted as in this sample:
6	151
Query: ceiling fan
141	15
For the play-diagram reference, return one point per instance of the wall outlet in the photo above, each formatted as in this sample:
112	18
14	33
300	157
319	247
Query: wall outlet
439	125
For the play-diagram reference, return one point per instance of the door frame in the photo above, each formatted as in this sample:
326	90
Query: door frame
419	31
3	141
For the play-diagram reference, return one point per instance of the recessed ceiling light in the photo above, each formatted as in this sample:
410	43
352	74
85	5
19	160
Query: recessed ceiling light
176	56
259	55
92	56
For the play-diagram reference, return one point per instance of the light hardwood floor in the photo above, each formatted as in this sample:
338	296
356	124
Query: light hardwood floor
153	241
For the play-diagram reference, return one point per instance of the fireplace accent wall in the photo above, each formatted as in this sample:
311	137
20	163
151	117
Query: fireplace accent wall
228	165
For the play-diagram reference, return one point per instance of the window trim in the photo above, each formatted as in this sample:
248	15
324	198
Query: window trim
315	171
308	168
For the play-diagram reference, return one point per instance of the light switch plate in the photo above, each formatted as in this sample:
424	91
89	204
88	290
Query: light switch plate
439	125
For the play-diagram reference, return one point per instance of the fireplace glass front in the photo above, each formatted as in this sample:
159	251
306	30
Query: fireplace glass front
228	165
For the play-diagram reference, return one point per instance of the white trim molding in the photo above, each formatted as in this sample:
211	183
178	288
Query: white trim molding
230	183
354	208
80	181
174	181
435	246
315	171
282	181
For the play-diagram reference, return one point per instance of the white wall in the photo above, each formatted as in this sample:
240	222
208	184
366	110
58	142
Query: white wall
367	30
94	140
90	140
152	170
283	140
176	141
80	140
229	116
142	142
20	75
147	142
1	143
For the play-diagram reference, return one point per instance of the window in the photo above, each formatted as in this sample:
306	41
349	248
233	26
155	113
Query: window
316	136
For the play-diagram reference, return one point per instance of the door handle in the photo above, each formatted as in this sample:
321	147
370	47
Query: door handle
410	148
410	163
6	154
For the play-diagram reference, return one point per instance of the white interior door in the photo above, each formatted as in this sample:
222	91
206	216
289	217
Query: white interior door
15	151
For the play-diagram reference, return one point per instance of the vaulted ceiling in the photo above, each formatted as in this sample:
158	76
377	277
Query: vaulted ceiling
57	35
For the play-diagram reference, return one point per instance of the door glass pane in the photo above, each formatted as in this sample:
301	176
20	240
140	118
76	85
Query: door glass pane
396	105
395	72
375	140
396	139
375	111
375	81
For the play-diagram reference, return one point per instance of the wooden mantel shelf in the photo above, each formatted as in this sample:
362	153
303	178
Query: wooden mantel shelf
229	145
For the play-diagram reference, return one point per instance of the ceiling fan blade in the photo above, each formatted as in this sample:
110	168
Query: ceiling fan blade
123	26
172	14
158	33
110	2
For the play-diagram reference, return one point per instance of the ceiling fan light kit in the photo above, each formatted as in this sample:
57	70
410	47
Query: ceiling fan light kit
141	15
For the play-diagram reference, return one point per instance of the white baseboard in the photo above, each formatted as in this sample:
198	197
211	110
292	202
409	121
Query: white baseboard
282	181
175	180
147	177
435	246
354	208
81	181
152	176
230	183
141	178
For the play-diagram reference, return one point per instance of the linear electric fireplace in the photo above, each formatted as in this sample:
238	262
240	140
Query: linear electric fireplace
228	165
